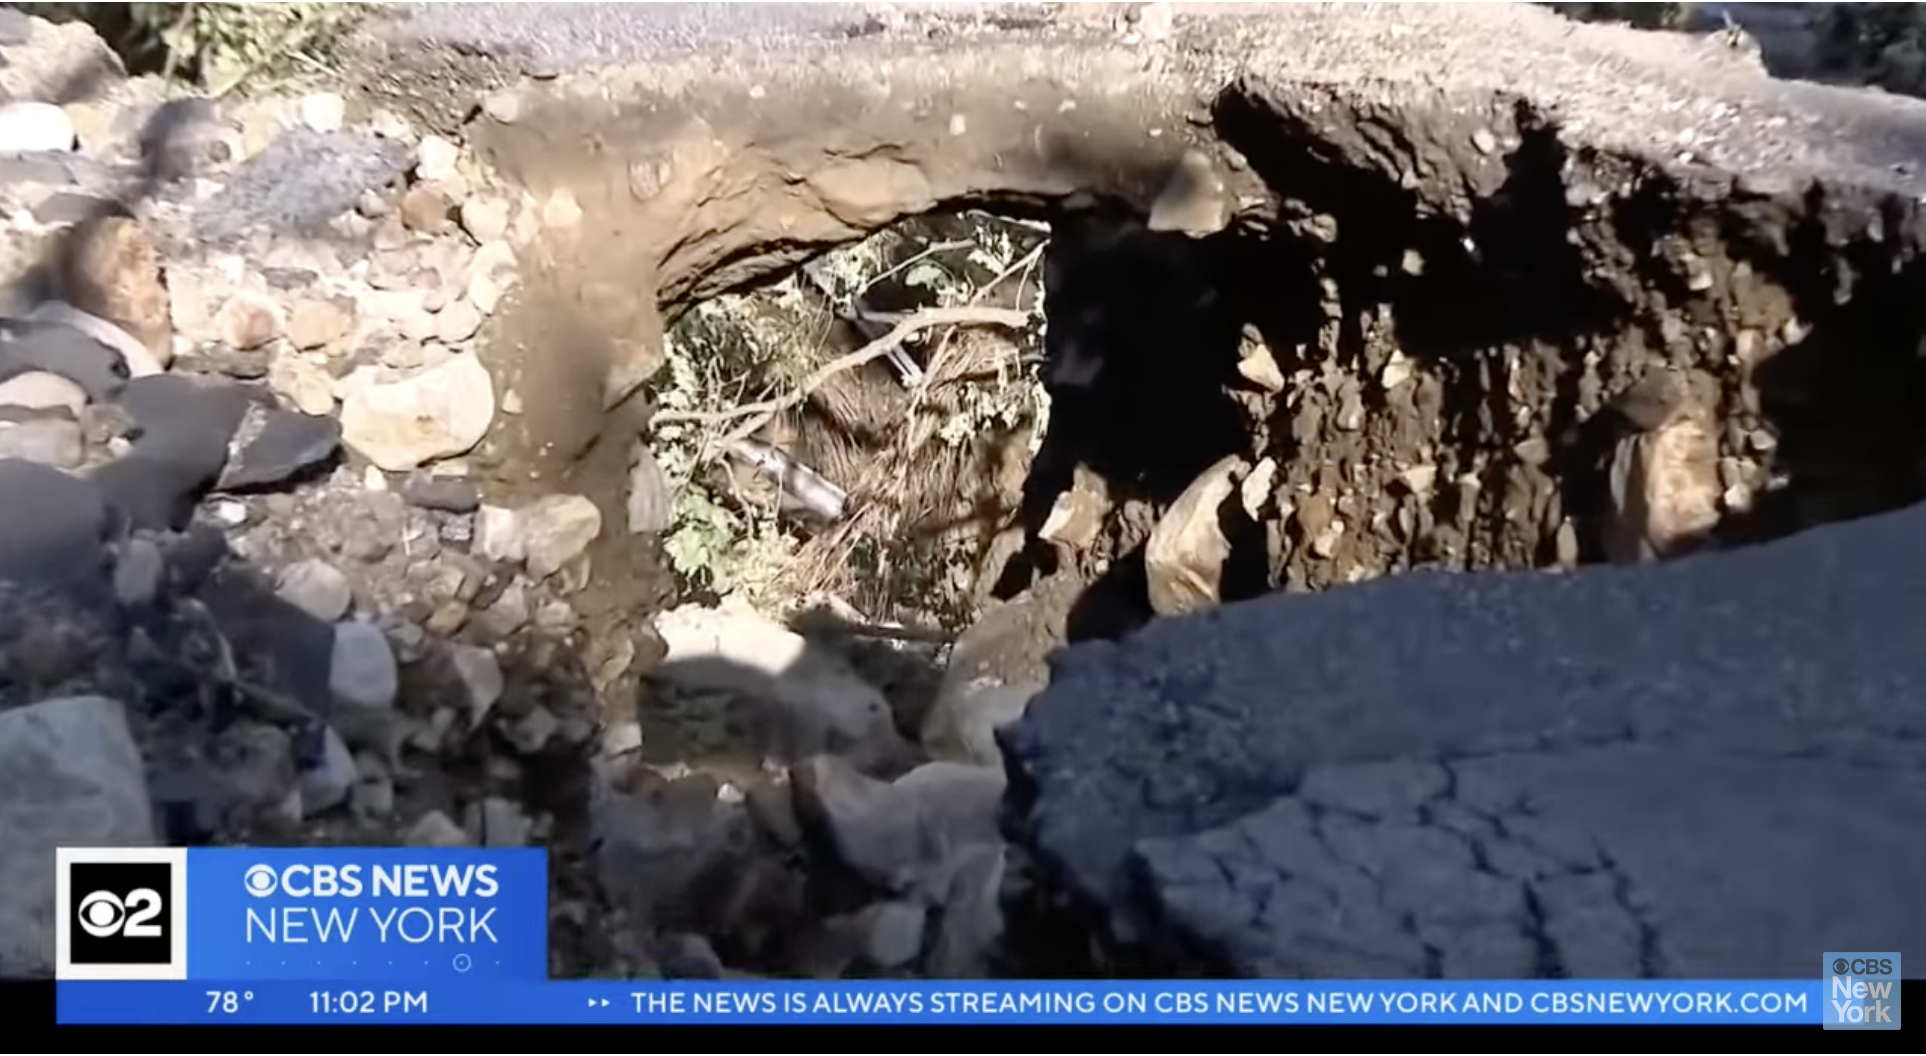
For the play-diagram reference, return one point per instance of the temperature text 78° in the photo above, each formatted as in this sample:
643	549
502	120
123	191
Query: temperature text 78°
227	1000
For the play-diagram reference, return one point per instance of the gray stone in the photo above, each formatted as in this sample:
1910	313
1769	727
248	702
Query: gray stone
686	956
651	508
503	823
1178	769
52	525
435	829
303	180
481	675
532	732
903	835
995	668
892	933
326	784
138	572
317	588
70	775
793	699
363	673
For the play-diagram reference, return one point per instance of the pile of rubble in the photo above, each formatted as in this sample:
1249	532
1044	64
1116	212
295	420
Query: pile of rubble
251	590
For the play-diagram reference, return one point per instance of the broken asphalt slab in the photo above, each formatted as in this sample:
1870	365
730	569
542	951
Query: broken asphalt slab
1704	769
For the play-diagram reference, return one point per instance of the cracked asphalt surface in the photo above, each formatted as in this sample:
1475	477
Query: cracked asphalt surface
1713	768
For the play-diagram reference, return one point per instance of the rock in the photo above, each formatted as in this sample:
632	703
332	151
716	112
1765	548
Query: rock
136	361
323	111
436	159
1193	200
138	573
188	137
315	323
435	829
425	209
892	933
318	589
561	210
304	384
555	530
457	323
900	836
326	784
28	128
400	423
247	321
42	390
971	927
441	493
70	776
53	526
503	823
687	956
656	851
795	699
1187	550
1078	514
272	445
65	207
1260	368
650	505
363	673
995	668
770	805
503	106
109	268
507	615
1666	491
531	733
35	346
481	674
49	441
485	218
299	183
499	535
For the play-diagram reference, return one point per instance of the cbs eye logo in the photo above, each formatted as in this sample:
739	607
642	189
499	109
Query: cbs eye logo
120	913
103	914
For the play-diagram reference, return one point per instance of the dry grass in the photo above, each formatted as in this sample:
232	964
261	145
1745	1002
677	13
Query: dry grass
927	502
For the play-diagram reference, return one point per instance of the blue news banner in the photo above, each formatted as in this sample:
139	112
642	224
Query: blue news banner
329	935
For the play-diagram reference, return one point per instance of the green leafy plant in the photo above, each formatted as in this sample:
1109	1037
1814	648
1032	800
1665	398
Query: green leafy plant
219	48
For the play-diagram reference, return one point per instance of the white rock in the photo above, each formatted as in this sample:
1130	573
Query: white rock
436	829
801	699
485	218
304	384
436	159
317	588
324	112
972	922
503	106
363	672
27	128
906	835
556	529
327	785
651	510
1187	550
390	125
399	423
481	673
70	776
40	390
561	210
498	535
457	323
53	442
